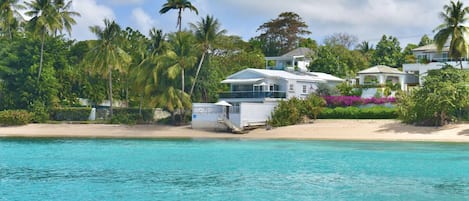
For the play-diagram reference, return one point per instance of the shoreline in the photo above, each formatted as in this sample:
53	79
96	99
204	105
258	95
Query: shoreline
323	129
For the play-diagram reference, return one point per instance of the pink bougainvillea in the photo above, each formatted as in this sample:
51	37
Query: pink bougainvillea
344	101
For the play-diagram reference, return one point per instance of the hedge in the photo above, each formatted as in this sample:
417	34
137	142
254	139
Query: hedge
70	114
378	112
82	114
133	114
15	117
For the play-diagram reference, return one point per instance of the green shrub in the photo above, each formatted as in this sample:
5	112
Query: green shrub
39	112
70	114
295	110
438	102
378	112
133	114
123	118
14	117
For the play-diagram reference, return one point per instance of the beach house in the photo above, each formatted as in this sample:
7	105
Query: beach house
254	93
429	58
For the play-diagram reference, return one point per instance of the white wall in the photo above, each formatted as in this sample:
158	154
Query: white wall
252	114
206	115
424	68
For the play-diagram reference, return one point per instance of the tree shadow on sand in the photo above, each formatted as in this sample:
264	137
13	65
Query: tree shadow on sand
464	132
398	127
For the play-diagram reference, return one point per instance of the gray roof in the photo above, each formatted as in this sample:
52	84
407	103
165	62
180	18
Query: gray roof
272	74
431	48
381	69
301	51
325	76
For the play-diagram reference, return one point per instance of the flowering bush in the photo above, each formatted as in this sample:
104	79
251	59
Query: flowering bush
345	101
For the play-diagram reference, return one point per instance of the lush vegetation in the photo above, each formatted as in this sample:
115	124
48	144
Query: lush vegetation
14	117
443	99
295	111
344	101
42	71
376	112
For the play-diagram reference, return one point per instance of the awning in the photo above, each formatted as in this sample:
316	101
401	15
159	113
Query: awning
223	103
241	81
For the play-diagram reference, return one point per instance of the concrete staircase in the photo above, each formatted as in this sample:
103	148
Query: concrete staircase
234	129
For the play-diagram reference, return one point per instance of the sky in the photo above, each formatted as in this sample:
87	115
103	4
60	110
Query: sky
408	20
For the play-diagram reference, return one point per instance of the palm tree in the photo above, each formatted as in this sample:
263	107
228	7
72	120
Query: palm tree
66	16
181	56
206	32
47	18
179	5
453	29
107	55
9	15
146	76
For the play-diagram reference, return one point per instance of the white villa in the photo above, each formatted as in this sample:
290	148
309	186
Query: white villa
297	59
381	74
254	93
428	58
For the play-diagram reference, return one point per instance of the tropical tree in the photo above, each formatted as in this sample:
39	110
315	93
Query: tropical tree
178	59
9	15
282	34
206	31
65	15
179	5
107	54
387	52
181	55
425	40
48	17
453	29
345	39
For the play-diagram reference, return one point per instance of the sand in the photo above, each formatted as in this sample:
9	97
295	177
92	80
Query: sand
378	130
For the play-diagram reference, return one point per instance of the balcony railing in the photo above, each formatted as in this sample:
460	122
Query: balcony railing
253	94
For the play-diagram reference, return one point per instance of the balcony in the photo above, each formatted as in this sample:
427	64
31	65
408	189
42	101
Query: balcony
253	94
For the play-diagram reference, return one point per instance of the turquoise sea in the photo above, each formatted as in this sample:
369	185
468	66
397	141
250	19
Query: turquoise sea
101	170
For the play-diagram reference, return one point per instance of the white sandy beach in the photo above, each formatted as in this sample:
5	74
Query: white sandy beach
379	130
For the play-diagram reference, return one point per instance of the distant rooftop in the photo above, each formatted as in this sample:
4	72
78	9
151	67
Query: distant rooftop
301	51
381	69
430	48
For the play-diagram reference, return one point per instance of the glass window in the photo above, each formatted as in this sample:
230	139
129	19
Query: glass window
304	89
291	88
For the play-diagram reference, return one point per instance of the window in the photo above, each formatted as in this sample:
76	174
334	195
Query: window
304	89
291	88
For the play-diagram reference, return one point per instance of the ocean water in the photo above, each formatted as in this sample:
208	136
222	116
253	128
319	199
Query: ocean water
101	170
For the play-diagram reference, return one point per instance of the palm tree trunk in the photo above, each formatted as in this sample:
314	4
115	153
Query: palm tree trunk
182	87
180	19
140	105
42	56
460	63
197	73
110	93
182	96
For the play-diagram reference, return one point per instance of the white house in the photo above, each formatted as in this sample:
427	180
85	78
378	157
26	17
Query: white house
429	58
254	93
261	85
381	74
297	59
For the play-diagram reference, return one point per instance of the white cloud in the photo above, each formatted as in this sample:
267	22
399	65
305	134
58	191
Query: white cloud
368	19
126	2
92	14
142	20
